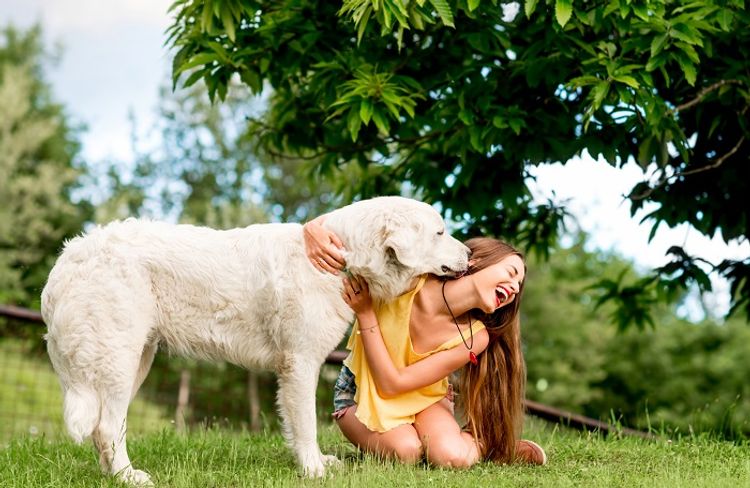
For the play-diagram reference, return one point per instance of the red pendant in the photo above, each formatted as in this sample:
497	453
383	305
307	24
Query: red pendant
473	358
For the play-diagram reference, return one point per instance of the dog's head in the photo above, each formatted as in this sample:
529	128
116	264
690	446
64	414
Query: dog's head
392	240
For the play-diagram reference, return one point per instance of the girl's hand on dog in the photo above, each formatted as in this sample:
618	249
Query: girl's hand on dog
356	294
323	247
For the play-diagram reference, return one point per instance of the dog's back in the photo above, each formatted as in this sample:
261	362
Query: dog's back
202	292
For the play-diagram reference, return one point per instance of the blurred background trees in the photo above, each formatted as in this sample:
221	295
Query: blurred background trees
680	377
39	169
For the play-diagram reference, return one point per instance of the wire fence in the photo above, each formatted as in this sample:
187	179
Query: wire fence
30	400
178	392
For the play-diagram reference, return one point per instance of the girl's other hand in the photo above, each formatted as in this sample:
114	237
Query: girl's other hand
356	294
323	247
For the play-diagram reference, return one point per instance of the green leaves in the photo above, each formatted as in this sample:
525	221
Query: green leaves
398	14
365	110
726	17
444	10
375	96
199	59
511	117
687	33
632	302
687	66
563	11
738	274
685	270
529	6
353	123
658	44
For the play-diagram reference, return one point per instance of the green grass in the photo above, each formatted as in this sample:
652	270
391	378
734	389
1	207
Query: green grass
217	458
33	453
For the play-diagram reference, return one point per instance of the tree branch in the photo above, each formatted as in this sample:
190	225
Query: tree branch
665	179
702	94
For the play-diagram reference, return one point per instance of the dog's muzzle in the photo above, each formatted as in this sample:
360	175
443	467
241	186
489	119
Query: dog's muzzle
450	271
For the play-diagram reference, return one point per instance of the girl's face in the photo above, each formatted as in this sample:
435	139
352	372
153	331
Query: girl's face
499	283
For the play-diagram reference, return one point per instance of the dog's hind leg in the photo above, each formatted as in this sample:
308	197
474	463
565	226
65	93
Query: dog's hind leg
147	359
298	380
116	393
110	439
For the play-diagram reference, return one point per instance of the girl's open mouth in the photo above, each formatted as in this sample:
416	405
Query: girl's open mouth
501	294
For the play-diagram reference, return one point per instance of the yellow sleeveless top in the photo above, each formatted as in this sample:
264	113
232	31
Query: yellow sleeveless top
382	414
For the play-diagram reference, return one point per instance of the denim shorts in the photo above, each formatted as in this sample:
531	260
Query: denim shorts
343	392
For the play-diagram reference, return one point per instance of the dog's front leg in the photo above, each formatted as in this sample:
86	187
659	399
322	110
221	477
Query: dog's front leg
298	381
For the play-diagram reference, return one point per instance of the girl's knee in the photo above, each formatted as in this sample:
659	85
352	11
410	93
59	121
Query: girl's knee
450	455
408	449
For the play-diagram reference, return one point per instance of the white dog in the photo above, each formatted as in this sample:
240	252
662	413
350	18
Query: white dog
249	296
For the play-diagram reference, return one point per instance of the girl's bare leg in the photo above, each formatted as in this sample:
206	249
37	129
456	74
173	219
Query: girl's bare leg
441	436
401	442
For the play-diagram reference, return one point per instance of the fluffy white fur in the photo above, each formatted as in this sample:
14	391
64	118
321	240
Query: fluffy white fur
247	295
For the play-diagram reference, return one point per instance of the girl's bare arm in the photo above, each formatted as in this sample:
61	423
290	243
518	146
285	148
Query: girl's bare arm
389	379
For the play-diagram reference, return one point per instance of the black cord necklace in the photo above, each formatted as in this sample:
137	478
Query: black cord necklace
472	356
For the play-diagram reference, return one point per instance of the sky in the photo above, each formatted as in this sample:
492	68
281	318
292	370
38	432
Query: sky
114	61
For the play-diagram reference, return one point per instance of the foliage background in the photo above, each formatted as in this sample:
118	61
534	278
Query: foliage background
39	168
460	101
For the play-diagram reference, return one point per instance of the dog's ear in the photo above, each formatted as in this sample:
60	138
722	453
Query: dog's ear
401	242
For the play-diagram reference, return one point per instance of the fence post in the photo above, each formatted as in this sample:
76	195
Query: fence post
253	400
183	395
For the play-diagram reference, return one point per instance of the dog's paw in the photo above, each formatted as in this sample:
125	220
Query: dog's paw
314	470
330	460
314	464
135	477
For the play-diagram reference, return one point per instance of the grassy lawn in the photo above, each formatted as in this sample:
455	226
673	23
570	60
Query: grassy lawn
217	458
33	453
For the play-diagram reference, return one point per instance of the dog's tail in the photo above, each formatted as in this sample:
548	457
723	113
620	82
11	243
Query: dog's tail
81	411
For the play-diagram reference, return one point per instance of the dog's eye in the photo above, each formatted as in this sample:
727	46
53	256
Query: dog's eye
441	232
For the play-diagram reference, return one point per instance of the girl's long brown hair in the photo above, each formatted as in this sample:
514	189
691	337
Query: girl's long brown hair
491	392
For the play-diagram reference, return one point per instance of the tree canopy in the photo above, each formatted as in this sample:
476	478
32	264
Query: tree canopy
460	101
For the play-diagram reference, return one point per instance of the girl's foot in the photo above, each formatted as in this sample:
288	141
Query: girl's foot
530	452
